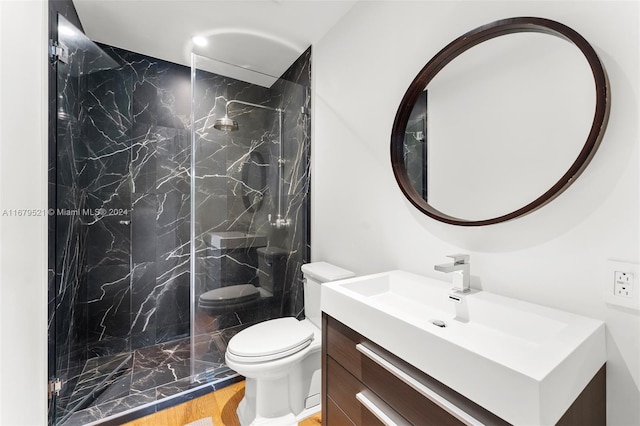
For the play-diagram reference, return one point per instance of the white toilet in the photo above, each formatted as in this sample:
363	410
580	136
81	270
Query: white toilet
280	358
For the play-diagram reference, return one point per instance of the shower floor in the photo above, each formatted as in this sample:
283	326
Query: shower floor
113	384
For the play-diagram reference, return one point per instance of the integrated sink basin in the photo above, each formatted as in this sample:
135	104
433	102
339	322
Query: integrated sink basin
524	362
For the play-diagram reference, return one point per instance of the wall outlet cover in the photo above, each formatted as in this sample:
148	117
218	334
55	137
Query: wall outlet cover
621	284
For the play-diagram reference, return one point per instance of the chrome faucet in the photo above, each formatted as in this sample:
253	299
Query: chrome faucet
461	267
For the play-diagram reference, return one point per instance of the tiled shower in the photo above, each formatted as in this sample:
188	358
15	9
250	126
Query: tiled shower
144	190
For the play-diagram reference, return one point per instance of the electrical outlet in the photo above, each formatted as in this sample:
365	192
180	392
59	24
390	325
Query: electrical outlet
623	284
620	286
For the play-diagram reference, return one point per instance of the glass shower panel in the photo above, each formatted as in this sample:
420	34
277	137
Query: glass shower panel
249	203
91	217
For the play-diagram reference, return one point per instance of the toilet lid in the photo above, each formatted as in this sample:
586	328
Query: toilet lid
230	294
282	336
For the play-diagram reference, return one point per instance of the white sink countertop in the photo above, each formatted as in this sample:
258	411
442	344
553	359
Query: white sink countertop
524	362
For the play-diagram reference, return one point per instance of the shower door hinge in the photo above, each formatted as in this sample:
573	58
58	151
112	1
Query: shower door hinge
55	386
58	52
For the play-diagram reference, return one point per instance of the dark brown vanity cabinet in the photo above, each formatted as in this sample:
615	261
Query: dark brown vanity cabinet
363	384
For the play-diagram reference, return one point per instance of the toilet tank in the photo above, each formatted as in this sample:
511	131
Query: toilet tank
315	274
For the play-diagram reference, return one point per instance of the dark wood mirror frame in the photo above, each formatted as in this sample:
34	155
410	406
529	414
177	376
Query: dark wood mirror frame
459	46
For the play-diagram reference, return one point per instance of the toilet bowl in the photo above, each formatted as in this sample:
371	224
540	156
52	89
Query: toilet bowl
238	297
280	359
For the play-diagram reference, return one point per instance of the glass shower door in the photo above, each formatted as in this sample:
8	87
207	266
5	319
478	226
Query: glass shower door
90	217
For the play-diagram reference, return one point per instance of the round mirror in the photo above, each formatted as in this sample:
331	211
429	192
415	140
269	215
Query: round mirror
492	133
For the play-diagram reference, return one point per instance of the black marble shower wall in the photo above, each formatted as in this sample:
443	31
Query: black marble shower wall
295	89
237	188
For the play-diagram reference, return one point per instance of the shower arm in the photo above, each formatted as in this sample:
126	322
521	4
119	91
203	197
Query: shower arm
280	221
235	101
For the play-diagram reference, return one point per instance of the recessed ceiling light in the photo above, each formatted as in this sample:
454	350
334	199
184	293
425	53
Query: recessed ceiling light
199	41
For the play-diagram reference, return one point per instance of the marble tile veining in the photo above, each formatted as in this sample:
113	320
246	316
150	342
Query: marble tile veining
145	376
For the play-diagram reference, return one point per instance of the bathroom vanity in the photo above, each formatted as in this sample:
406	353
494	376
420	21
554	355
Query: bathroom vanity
362	381
393	354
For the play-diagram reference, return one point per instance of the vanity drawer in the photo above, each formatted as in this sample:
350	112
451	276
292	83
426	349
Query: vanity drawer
366	381
409	402
357	404
335	416
344	389
341	346
412	394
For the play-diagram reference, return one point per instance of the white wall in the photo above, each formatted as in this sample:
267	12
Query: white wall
23	184
556	255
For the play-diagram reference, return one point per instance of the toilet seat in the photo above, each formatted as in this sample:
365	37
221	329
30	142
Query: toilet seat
230	294
230	298
270	340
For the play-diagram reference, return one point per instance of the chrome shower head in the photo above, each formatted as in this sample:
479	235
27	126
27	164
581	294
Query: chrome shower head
226	124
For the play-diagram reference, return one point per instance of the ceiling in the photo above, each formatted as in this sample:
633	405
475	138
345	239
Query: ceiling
261	35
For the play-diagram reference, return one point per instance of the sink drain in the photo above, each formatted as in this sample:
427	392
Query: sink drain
438	323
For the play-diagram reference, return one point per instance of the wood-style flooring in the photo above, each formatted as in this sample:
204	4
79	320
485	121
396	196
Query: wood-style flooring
219	405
